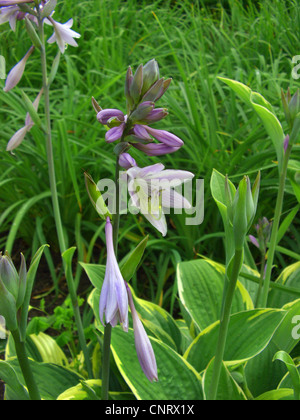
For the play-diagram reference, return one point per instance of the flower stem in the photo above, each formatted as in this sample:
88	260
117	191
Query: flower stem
261	279
25	367
273	241
108	327
224	323
55	202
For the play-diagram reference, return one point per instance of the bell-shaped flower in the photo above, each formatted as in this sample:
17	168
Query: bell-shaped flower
143	345
19	136
63	34
152	189
16	73
126	161
113	298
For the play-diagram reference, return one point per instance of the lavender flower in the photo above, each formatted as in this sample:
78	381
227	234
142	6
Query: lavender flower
63	34
113	299
16	73
263	229
126	161
143	346
19	136
286	143
11	12
152	189
142	90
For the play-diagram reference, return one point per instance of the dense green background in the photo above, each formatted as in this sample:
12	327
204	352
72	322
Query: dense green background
193	42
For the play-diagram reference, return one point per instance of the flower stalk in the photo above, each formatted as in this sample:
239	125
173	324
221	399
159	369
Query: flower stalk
263	300
224	322
55	202
25	366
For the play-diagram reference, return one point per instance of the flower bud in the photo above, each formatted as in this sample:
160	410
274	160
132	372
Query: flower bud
150	75
16	73
136	85
240	223
291	106
12	289
244	209
126	161
143	110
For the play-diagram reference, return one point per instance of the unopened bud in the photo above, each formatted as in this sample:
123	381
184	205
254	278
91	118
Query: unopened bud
150	75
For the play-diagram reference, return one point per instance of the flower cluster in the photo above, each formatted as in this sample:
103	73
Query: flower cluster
15	10
151	189
263	229
142	91
114	300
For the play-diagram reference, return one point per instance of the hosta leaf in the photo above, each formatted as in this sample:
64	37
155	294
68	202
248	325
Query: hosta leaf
52	380
228	389
14	389
248	334
200	287
177	378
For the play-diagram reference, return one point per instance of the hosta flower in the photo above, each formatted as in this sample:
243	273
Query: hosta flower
152	189
126	161
143	346
263	229
139	135
113	298
142	90
10	12
19	136
16	73
63	34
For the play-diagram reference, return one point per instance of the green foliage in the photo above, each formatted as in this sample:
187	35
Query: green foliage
219	59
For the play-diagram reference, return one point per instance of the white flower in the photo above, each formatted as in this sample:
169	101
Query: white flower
63	34
19	136
16	73
152	190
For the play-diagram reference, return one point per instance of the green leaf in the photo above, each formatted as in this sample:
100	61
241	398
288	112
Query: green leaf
290	277
95	273
32	111
29	286
293	371
228	389
285	224
249	332
284	338
129	264
257	371
159	322
14	388
200	287
284	394
52	380
96	197
33	35
176	377
49	350
265	112
91	390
